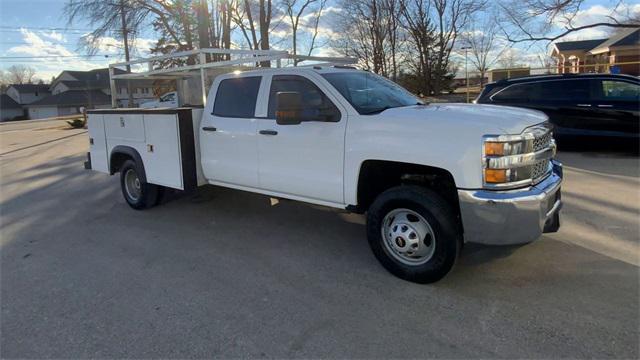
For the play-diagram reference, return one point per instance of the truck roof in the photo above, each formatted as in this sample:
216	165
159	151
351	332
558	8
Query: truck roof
296	69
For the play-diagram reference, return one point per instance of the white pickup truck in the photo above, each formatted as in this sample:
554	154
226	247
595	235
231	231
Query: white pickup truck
429	177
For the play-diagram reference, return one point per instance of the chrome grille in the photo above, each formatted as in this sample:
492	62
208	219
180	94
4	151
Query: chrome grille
542	141
540	170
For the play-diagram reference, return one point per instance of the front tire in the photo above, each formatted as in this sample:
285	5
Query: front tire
138	194
413	232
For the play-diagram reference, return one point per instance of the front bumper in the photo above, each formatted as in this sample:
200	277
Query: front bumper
512	217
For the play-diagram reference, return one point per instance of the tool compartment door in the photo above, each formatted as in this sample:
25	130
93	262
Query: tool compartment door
97	143
162	156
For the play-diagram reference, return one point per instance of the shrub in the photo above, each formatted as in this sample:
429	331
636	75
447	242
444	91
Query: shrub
77	123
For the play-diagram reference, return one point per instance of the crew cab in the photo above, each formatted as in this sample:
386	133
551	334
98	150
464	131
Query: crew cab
429	177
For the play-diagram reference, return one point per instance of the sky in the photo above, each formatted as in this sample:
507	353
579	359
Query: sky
33	29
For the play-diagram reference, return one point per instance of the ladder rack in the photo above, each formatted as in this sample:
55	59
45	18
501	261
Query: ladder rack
189	63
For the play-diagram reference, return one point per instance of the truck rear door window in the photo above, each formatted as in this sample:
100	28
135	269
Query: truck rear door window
236	98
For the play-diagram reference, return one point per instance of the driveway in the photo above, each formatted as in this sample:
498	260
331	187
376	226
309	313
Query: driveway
222	273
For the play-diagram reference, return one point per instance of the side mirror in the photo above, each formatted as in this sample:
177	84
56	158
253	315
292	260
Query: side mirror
288	108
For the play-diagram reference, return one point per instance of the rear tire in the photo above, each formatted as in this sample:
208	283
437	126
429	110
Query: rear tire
138	194
413	232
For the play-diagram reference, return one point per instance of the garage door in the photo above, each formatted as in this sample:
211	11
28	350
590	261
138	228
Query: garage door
42	112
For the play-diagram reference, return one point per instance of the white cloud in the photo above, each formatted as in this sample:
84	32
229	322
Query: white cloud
43	47
595	14
53	35
42	54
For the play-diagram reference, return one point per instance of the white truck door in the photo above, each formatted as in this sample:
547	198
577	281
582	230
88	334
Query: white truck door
228	144
306	159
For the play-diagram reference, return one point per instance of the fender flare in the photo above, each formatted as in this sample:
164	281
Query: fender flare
131	152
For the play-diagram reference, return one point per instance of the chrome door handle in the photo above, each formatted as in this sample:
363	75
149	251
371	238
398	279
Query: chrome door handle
605	106
268	132
583	105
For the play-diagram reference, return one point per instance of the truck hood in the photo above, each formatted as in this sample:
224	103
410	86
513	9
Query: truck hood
489	119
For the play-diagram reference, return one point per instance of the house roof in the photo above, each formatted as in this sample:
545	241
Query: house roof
584	45
30	88
6	102
95	79
625	37
75	98
79	85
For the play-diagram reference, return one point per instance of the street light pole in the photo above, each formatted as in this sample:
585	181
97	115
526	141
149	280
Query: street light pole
466	69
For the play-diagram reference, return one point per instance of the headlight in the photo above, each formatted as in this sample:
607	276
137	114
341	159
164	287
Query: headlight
511	161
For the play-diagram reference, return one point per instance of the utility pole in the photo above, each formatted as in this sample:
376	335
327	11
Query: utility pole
125	38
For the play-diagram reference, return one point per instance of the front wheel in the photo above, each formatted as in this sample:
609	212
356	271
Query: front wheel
138	194
413	232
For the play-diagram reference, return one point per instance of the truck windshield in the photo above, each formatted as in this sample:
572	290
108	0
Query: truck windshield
369	93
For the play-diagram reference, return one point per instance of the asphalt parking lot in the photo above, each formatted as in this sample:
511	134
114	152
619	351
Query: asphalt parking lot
222	273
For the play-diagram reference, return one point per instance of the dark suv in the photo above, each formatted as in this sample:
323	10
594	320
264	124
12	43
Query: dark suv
577	104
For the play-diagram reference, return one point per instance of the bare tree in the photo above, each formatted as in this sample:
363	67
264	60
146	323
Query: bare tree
368	34
451	17
509	59
434	27
484	45
107	17
221	24
314	25
416	20
20	74
255	33
393	11
295	11
560	18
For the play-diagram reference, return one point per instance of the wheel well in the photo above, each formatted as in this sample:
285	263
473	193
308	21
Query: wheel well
117	160
377	176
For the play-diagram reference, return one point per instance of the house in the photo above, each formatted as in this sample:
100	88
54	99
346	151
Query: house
9	108
474	80
73	90
25	94
618	54
499	74
68	103
98	79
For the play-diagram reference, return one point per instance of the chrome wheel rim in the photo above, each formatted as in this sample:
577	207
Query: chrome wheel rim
132	184
408	237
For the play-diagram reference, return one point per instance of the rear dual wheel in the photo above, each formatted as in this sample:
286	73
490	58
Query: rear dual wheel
413	232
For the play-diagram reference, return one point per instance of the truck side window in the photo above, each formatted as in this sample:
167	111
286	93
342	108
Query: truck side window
312	96
236	97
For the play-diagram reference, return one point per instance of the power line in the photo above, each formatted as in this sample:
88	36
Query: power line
71	32
40	62
56	56
42	28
